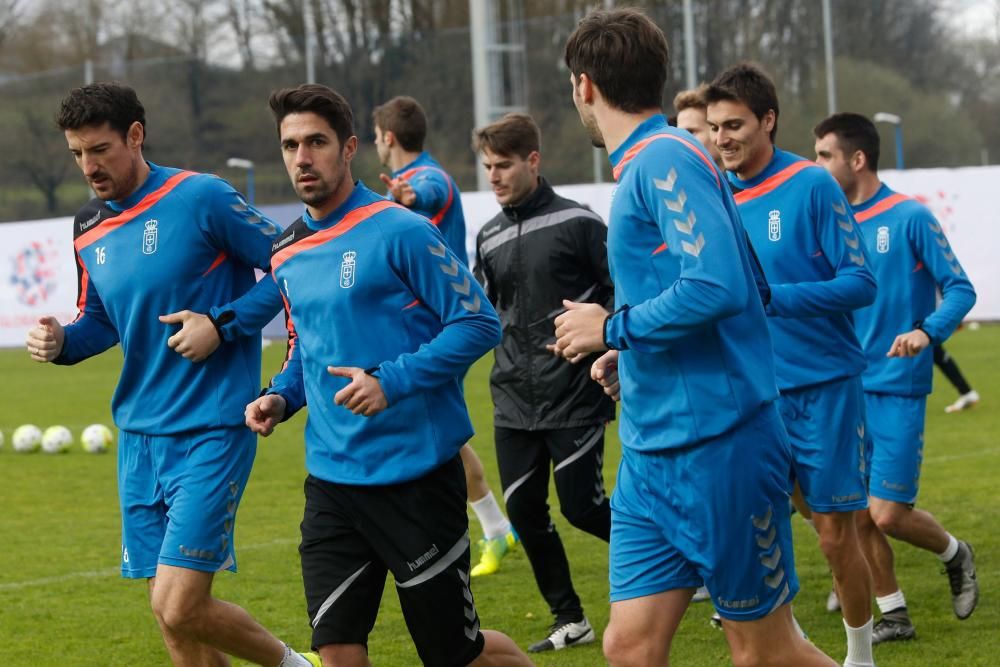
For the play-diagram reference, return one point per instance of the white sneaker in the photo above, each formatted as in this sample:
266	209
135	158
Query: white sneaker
964	402
564	636
832	601
701	595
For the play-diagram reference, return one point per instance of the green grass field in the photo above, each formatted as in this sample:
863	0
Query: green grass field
62	602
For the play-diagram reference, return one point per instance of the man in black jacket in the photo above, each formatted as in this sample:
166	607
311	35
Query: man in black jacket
540	250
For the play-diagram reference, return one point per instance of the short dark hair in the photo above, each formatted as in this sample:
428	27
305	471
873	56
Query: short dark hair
624	54
749	84
693	98
318	99
854	132
98	103
405	118
514	134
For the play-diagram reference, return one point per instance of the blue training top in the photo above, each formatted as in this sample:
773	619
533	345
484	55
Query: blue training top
373	286
911	259
438	200
696	357
182	241
810	247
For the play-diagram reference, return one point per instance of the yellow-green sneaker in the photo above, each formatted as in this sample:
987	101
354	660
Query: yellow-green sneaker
313	659
491	552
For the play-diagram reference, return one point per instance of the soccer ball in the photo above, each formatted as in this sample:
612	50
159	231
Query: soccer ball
56	440
96	438
26	438
1	439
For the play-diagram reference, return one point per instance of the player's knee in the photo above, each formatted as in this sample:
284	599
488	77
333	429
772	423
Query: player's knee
176	614
888	518
623	647
752	656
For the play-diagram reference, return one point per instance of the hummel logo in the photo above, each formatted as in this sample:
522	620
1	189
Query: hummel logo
283	242
87	224
490	232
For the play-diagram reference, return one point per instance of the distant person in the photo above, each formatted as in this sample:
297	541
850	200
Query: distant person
967	396
690	355
547	413
912	260
801	227
692	115
377	349
156	241
421	184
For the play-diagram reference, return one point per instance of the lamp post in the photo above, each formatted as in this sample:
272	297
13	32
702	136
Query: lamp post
893	119
242	163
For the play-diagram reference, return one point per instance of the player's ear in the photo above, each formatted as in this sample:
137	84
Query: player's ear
135	135
350	148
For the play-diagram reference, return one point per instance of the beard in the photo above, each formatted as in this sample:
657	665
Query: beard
593	132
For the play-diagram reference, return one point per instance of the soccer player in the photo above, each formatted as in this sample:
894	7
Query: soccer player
809	245
694	370
378	352
912	259
692	115
158	240
419	183
548	414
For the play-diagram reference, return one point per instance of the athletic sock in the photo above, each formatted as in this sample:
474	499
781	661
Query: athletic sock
950	552
859	645
293	659
890	602
490	516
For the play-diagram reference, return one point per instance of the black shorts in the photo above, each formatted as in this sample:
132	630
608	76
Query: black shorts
418	530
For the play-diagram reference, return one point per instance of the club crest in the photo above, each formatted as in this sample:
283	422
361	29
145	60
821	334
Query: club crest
774	225
149	237
882	240
347	269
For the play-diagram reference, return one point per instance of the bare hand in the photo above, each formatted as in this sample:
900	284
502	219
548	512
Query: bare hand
363	396
265	413
45	340
579	331
909	344
197	338
400	189
604	371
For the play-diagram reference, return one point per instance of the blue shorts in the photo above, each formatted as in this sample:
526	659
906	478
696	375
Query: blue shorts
178	496
716	513
896	445
826	426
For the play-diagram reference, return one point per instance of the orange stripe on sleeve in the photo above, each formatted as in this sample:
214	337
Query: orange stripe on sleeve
631	153
349	222
222	256
111	224
773	182
881	207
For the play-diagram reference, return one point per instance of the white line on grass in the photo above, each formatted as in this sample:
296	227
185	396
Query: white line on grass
112	572
967	455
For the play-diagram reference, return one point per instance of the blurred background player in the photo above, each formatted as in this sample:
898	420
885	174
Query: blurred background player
912	260
692	115
540	249
421	184
184	453
967	396
691	355
385	490
801	227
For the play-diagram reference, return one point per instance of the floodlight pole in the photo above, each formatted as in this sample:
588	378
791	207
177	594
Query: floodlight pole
831	81
893	119
243	163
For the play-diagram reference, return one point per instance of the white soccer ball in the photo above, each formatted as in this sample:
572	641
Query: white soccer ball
1	439
56	440
26	438
96	438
